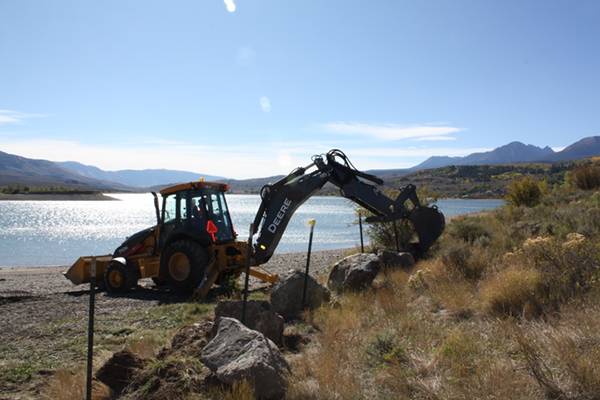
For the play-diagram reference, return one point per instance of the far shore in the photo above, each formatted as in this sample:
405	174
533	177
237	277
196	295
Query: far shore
56	197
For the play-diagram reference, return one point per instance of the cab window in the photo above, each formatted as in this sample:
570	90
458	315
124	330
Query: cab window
170	209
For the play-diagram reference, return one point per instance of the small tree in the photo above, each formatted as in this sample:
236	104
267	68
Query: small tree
525	192
383	234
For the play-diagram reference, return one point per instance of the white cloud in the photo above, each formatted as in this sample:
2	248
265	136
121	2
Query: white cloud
392	132
436	138
5	119
8	116
419	152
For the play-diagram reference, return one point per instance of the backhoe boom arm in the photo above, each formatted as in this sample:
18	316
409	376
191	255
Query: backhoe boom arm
281	199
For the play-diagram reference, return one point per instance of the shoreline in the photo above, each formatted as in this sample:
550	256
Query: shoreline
103	197
56	197
276	261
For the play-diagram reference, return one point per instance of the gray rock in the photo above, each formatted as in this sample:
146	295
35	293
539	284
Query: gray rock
238	353
392	259
286	295
260	316
354	272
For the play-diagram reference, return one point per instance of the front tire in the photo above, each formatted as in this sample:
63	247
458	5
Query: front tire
183	264
119	278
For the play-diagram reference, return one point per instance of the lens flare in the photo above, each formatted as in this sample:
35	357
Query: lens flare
245	56
284	159
265	104
230	5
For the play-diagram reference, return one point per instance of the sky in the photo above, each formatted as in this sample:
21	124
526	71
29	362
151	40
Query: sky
254	88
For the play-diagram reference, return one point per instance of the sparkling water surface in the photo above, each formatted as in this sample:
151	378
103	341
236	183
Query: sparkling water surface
41	233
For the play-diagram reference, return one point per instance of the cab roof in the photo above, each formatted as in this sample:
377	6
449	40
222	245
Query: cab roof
212	186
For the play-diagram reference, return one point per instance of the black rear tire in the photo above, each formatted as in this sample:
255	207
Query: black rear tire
159	281
119	278
183	264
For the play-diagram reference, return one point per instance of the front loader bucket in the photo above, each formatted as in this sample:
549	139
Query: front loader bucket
429	223
80	272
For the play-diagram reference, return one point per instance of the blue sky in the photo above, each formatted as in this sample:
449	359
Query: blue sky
247	89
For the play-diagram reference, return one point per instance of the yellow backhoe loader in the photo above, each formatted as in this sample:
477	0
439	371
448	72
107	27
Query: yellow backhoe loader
193	245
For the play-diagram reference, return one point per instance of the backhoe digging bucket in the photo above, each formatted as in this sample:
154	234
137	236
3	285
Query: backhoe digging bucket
429	223
80	272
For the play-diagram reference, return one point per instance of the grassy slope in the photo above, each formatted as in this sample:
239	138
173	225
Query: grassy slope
490	314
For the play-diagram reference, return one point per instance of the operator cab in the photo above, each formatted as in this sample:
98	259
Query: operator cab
197	210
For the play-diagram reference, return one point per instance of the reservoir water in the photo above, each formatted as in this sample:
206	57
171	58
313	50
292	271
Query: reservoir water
41	233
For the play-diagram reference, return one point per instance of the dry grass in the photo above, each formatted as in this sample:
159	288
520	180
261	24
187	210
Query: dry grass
67	385
472	321
238	391
513	292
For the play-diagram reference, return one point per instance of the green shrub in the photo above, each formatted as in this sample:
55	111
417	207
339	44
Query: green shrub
525	192
567	269
384	348
467	260
586	177
468	229
15	189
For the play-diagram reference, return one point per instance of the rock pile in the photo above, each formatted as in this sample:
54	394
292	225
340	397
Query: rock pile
357	272
234	352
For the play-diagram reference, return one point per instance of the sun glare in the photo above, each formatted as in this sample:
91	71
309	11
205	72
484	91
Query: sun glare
230	5
284	159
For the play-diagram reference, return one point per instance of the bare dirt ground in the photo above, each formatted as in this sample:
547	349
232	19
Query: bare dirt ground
32	298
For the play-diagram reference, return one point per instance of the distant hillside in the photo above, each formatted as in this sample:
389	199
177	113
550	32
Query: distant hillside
140	178
20	170
585	148
484	181
436	162
514	152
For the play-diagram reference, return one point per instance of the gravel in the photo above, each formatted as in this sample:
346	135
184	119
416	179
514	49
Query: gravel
32	296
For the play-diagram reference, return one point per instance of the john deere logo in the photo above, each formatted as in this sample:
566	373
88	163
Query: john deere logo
280	215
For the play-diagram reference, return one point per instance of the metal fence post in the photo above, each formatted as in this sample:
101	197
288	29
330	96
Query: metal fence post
91	329
248	258
395	231
362	246
312	227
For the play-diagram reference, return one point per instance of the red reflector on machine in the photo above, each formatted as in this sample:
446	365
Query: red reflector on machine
133	250
211	228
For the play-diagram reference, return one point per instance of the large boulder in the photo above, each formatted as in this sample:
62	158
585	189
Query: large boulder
393	260
260	316
354	272
238	353
287	294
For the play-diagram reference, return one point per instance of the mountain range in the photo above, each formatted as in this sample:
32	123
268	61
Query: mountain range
514	152
140	178
15	169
